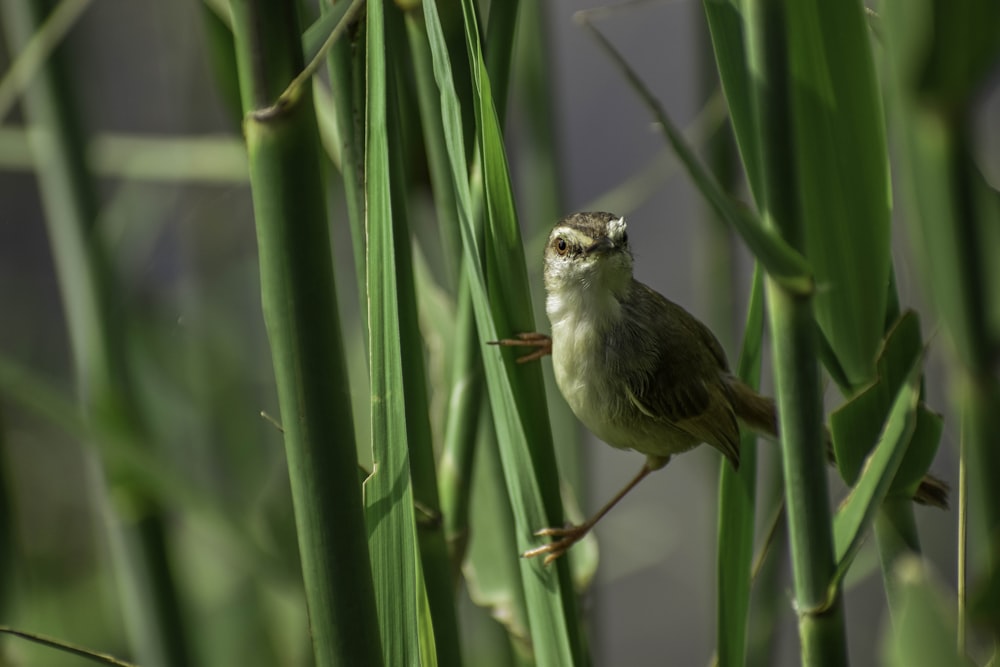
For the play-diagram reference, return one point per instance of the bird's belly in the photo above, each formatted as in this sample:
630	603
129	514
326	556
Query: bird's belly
600	400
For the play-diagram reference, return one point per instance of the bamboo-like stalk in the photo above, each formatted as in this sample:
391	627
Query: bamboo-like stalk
821	619
300	313
97	336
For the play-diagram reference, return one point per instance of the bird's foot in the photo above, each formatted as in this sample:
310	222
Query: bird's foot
542	341
569	536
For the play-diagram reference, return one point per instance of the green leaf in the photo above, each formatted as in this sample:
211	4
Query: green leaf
388	491
725	24
856	424
491	568
842	168
840	148
860	506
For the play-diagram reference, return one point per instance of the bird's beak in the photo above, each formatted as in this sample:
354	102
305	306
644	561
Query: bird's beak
601	245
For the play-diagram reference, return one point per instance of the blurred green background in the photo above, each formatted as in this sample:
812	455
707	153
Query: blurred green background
175	212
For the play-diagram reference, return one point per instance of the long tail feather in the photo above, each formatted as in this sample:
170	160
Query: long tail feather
760	414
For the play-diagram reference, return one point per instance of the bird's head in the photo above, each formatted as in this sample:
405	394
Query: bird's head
588	253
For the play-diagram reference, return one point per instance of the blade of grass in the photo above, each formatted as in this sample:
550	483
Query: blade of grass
840	147
465	392
725	23
388	491
300	313
459	447
434	559
534	64
552	597
737	507
862	420
876	476
532	484
491	569
437	151
500	51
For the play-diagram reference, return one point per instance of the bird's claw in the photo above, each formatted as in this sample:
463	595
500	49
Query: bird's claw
542	341
569	535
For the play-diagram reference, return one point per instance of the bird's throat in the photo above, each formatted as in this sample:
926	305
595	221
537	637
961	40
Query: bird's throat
583	305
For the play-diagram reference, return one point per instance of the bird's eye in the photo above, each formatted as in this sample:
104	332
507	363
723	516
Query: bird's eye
561	246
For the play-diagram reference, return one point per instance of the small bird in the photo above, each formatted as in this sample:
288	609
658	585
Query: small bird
637	369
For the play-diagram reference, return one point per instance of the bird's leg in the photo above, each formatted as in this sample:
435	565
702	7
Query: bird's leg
542	341
573	534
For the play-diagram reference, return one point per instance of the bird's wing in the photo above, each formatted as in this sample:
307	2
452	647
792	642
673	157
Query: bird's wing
683	383
698	407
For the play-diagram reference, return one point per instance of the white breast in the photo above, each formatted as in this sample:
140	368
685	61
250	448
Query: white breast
578	358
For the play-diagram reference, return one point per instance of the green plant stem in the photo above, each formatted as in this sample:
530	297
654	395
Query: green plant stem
300	313
821	622
796	372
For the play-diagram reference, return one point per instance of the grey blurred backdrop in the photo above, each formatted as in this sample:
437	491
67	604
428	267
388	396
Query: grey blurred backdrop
141	67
